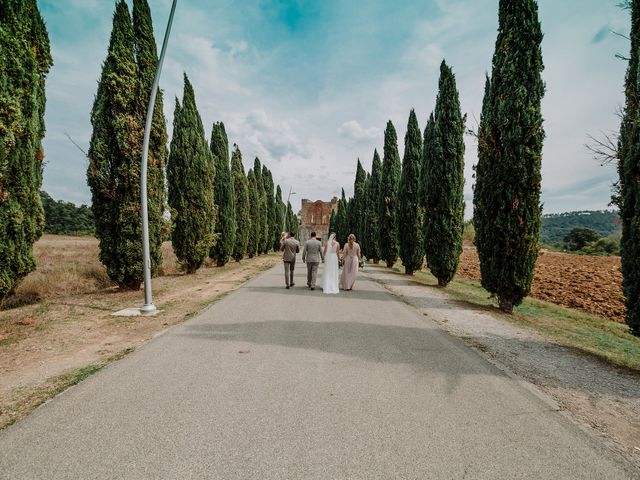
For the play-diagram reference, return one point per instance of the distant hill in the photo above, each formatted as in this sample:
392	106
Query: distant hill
556	225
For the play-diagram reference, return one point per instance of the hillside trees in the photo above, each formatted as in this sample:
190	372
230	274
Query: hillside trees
507	192
190	175
241	203
409	218
388	205
443	181
223	197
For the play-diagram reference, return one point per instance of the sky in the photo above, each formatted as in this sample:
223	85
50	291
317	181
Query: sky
308	86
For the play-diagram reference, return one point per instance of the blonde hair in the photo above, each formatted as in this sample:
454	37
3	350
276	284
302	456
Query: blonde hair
352	236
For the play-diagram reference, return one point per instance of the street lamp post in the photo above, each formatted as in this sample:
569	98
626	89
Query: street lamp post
287	209
148	295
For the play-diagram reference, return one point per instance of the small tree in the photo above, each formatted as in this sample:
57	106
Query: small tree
241	202
191	176
409	217
388	207
273	237
443	182
224	197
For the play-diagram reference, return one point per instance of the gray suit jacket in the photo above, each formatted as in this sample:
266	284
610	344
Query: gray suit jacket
312	252
290	247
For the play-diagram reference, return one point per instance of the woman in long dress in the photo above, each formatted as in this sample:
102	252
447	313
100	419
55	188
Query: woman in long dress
352	257
330	274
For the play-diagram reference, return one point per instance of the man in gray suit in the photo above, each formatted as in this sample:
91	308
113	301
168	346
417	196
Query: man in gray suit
311	255
290	247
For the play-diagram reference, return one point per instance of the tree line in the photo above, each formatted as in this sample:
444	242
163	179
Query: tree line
414	209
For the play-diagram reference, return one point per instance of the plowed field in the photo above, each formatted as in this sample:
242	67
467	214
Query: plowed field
592	284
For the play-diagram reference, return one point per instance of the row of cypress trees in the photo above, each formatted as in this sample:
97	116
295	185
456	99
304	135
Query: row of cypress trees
25	60
417	209
216	210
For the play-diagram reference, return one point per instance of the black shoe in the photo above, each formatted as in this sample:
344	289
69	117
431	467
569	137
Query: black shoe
313	288
293	284
287	287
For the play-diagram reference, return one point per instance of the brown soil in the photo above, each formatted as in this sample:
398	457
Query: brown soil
70	325
591	284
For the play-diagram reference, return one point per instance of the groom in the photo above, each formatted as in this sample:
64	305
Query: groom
311	255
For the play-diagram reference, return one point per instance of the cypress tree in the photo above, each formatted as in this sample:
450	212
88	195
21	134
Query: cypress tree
443	178
114	157
292	220
25	60
629	180
263	216
507	206
332	222
388	206
280	211
146	55
273	238
254	214
366	217
224	197
191	176
430	150
373	237
409	221
241	203
342	225
358	209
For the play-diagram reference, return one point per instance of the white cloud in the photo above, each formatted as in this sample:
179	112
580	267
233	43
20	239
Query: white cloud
356	133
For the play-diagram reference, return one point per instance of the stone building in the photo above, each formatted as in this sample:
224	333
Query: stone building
315	216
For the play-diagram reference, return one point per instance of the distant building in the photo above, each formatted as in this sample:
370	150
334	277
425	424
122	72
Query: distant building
315	216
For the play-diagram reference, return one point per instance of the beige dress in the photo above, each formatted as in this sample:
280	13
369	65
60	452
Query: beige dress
350	269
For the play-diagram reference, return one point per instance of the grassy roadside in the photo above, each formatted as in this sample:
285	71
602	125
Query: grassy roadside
60	330
589	334
27	399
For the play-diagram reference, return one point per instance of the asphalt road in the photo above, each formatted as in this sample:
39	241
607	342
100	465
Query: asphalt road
272	383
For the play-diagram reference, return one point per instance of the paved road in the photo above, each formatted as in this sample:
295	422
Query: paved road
291	384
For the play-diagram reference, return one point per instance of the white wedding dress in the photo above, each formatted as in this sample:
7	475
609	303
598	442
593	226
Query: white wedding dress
330	275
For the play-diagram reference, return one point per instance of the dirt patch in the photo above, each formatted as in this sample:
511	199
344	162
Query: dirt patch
590	284
71	326
601	398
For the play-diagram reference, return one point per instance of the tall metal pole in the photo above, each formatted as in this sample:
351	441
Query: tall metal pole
148	295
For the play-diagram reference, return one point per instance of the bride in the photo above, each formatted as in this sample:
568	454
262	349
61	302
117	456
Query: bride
330	274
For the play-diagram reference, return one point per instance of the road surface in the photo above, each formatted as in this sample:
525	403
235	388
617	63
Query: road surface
272	383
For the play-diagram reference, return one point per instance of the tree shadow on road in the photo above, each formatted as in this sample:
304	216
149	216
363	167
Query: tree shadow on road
426	350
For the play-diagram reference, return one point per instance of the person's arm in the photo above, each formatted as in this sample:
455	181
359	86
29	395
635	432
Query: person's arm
321	253
359	254
297	246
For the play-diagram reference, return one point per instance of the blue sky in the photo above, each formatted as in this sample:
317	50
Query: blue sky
308	86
